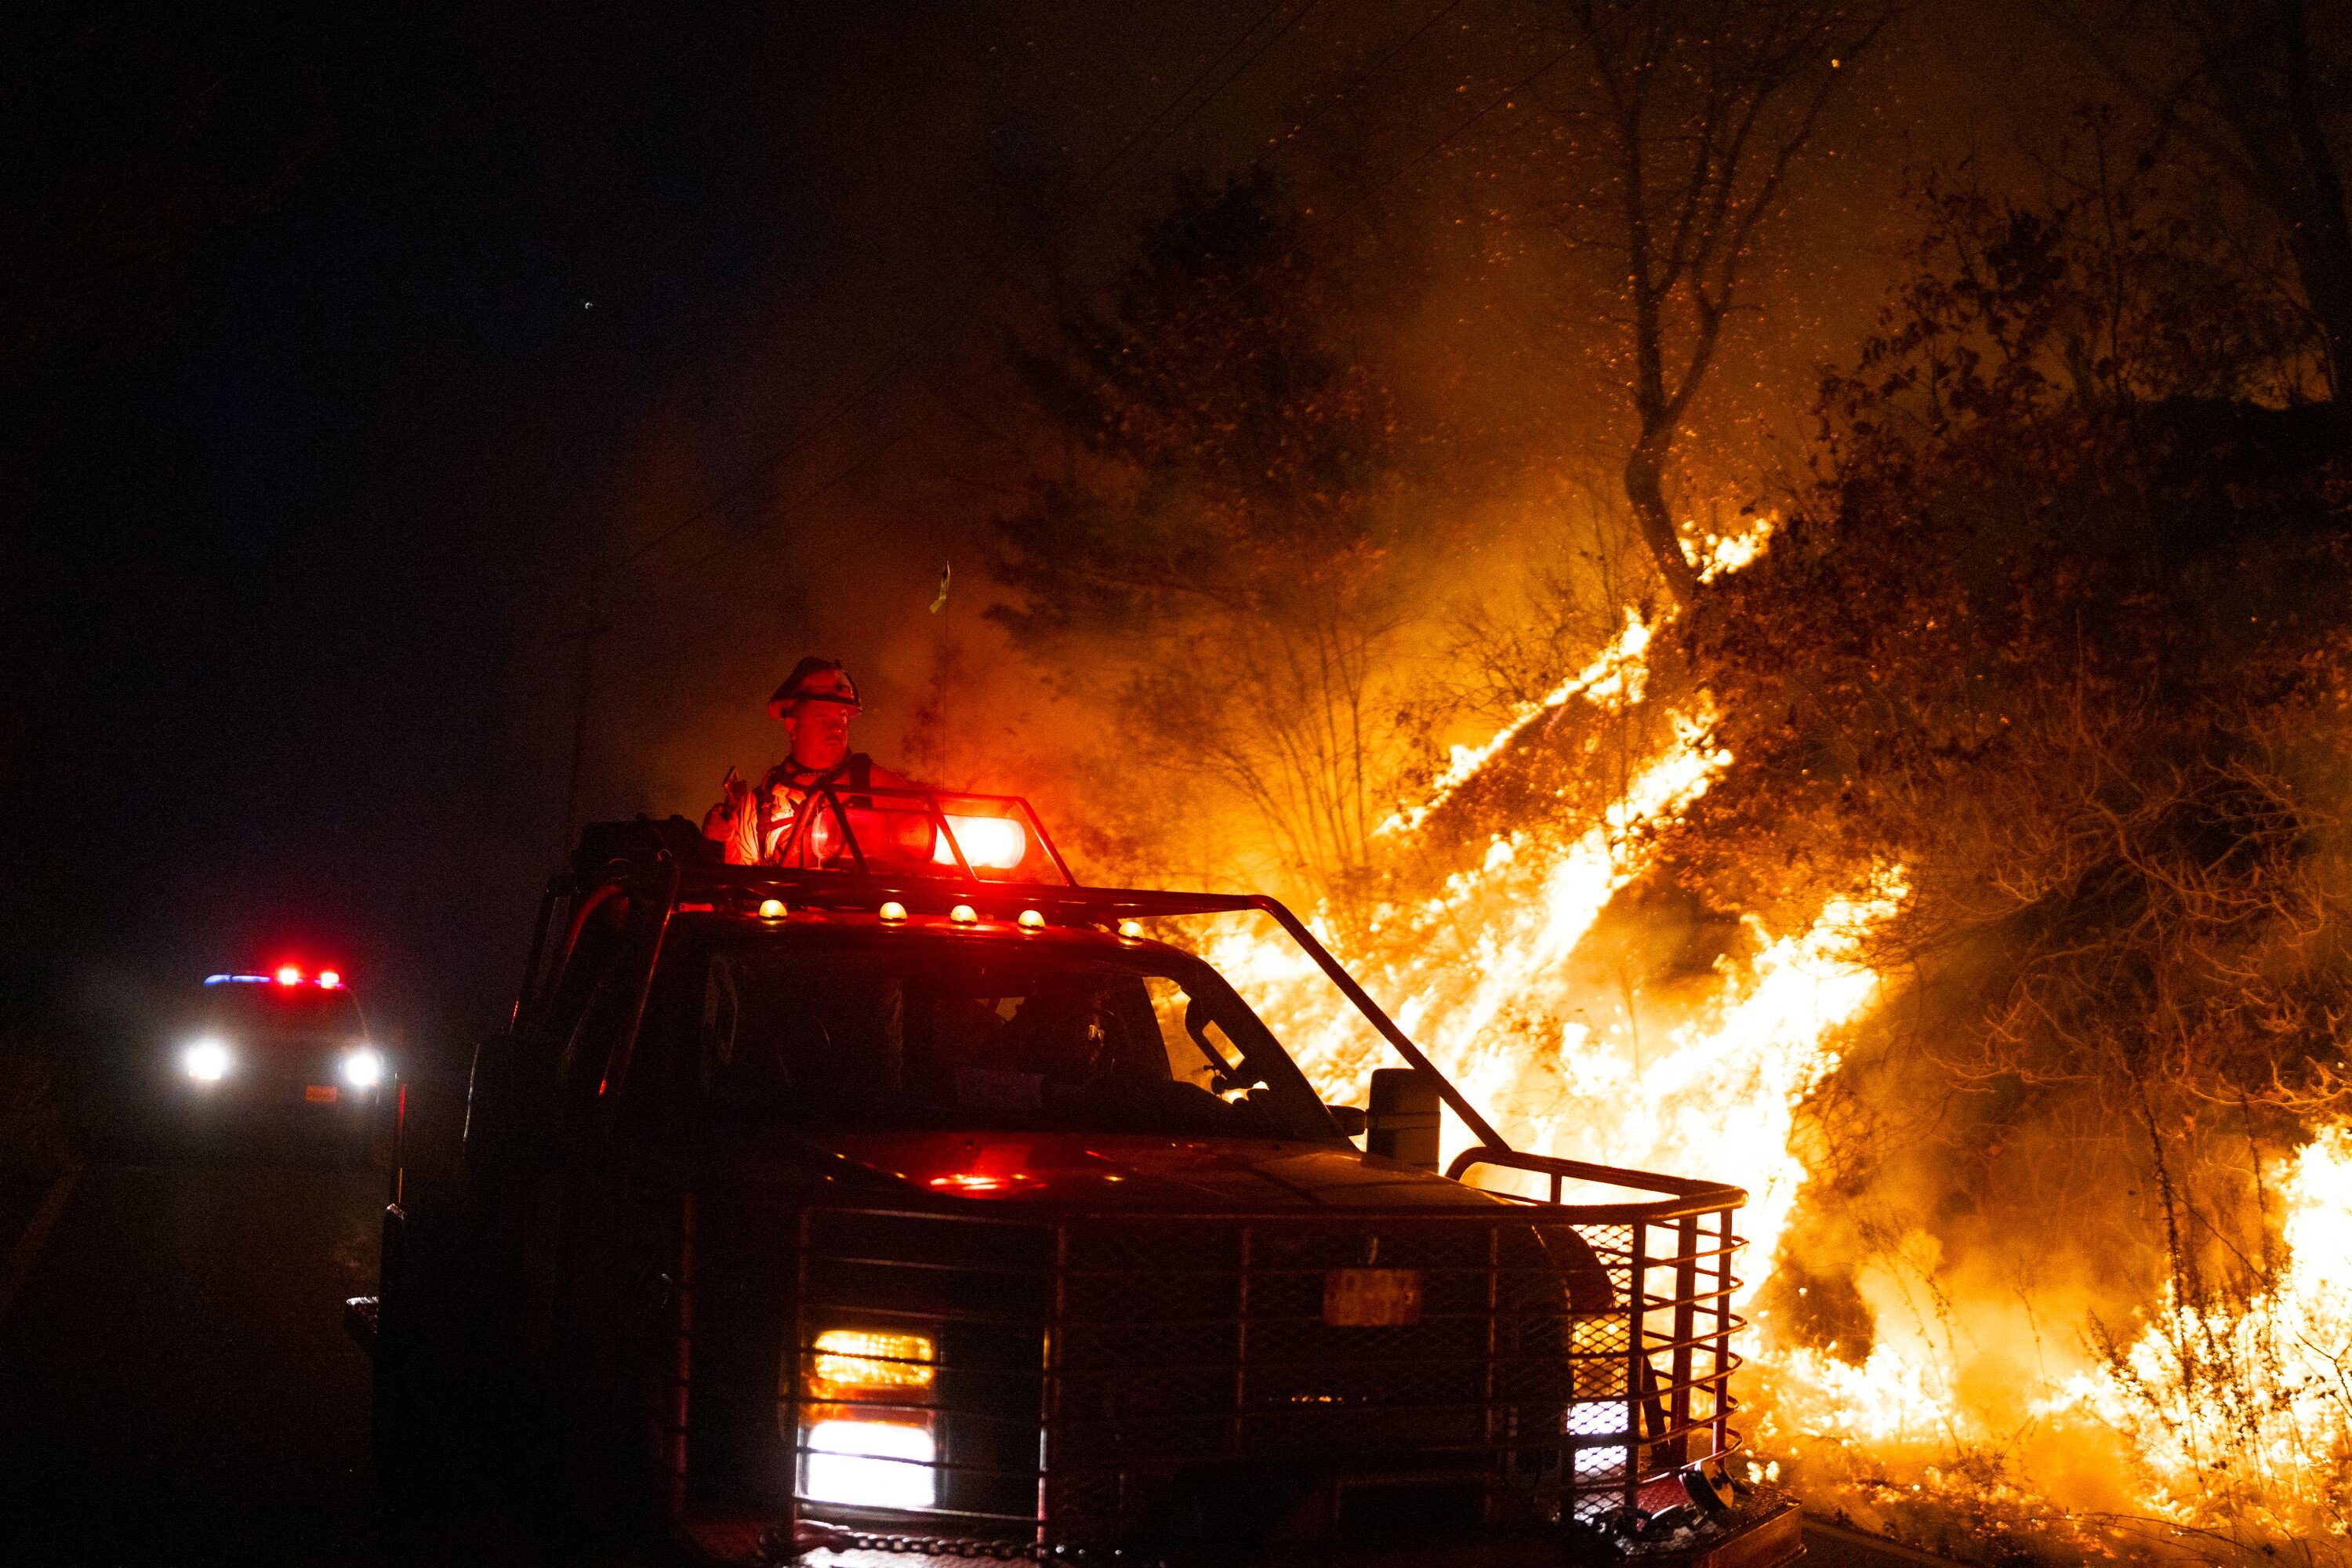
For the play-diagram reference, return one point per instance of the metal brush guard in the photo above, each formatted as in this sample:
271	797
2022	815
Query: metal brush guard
1565	1353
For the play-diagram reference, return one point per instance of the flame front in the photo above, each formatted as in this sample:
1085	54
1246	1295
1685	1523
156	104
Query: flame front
2242	1412
1483	976
1617	677
1479	975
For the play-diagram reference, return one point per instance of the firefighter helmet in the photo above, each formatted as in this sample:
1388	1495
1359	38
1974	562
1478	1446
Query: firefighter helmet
814	679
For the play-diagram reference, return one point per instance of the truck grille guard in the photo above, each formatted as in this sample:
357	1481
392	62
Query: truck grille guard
1098	1374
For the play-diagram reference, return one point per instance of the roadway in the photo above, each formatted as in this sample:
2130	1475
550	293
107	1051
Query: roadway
175	1387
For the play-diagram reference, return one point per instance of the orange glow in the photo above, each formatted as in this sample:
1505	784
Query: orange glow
1708	1078
1616	678
2286	1345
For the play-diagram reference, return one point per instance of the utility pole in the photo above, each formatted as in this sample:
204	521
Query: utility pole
593	628
943	660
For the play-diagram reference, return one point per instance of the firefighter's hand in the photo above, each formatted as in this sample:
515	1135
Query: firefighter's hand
734	797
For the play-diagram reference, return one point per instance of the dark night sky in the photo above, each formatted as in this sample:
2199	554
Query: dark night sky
342	343
352	341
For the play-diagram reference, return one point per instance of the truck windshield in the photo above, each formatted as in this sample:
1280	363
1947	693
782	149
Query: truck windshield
919	1033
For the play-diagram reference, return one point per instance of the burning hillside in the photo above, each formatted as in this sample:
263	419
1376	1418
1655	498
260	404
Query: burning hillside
1946	1410
1950	850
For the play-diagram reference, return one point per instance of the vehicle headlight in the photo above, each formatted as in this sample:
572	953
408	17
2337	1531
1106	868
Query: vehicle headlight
206	1060
872	1464
364	1068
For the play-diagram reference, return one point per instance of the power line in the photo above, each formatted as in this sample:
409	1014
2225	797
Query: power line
991	276
1243	69
1090	187
928	339
924	343
1501	99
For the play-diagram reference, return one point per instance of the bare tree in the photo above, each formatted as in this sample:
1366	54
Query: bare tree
2246	84
1699	111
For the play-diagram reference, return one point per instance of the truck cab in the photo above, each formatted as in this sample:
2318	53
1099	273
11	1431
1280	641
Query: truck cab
911	1197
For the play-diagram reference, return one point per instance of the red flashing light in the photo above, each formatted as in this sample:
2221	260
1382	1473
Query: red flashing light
1001	1168
989	843
328	979
979	1183
289	975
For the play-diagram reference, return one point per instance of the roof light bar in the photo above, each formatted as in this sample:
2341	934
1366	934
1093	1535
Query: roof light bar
328	979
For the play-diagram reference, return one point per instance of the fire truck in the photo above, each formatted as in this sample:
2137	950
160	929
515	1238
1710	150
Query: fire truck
909	1200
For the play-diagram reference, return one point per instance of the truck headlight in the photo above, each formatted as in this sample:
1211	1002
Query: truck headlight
1598	1418
872	1464
206	1060
362	1068
867	1436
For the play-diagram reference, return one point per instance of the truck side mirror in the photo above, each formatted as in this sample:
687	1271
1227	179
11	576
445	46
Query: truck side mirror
1402	1125
1350	1120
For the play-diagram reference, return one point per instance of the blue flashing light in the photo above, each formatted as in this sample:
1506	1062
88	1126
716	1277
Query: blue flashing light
237	979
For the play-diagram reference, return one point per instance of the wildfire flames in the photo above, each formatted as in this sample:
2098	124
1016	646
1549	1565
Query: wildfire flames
1482	975
2248	1405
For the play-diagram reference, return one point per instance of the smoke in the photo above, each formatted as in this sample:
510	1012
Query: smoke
1938	1239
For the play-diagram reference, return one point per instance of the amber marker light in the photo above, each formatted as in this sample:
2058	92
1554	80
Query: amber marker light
1032	920
772	908
328	979
963	914
848	1362
1130	928
892	912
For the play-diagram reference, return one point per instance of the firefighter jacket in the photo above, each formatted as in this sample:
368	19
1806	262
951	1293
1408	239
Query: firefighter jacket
756	823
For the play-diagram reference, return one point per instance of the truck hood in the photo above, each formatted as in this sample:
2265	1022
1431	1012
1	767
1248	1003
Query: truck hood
1098	1171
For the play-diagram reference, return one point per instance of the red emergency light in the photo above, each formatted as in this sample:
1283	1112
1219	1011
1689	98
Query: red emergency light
330	980
289	975
989	843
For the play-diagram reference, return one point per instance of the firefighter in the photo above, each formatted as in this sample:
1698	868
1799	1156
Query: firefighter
816	702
